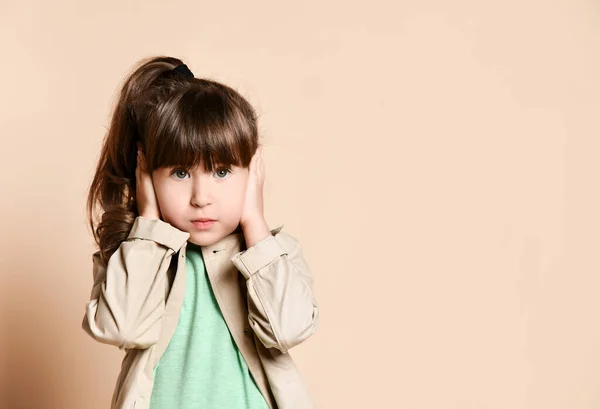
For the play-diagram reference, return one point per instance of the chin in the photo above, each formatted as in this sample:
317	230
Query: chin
205	239
210	237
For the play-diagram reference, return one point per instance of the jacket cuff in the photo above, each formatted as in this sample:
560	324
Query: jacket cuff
258	256
159	232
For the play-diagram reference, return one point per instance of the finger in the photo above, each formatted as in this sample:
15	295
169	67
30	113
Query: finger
261	162
257	152
252	166
137	166
142	161
140	164
260	168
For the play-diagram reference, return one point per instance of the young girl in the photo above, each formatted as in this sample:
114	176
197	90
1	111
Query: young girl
205	300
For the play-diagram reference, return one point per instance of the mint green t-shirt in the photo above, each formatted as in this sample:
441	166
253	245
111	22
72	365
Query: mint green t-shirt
202	367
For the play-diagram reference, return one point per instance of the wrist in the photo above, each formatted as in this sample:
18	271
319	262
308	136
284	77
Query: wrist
253	222
150	215
255	231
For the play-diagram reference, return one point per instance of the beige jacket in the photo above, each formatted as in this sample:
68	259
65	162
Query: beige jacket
270	307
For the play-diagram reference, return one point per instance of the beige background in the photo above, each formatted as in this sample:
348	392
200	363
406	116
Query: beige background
438	159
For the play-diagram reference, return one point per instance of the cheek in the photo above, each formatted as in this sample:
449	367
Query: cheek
238	195
167	197
233	199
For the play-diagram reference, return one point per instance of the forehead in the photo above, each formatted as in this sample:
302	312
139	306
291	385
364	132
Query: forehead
206	156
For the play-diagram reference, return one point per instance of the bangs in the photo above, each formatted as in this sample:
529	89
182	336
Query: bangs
206	127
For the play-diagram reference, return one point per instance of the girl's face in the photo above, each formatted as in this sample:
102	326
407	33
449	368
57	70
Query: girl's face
206	205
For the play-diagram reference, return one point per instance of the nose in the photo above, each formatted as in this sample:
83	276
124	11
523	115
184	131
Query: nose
201	192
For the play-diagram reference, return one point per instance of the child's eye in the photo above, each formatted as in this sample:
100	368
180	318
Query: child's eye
222	173
180	174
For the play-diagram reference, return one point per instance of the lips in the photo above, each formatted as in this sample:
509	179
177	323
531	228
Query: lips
203	223
203	220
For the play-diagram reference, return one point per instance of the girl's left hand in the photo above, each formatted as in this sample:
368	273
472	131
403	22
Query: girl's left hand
253	208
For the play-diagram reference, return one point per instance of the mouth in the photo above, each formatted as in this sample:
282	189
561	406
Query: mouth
203	223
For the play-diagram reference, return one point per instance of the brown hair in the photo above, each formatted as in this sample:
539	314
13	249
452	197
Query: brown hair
181	122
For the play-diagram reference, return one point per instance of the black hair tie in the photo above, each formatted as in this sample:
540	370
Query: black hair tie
183	70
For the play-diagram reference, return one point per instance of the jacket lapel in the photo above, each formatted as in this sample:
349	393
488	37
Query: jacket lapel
173	305
225	281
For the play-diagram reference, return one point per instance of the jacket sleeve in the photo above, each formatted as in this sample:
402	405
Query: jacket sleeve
282	309
128	296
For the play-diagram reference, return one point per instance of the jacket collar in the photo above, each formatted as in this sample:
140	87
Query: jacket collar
233	242
216	257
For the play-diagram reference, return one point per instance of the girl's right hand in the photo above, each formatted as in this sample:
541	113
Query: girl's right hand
145	194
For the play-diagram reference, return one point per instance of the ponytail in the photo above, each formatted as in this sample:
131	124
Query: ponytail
111	203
